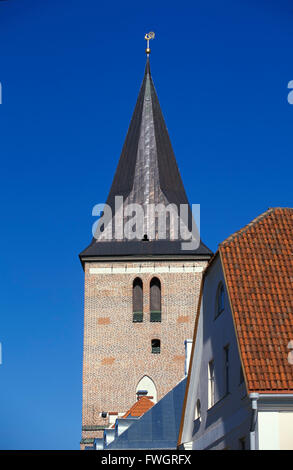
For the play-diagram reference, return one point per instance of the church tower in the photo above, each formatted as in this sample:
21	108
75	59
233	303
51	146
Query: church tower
141	291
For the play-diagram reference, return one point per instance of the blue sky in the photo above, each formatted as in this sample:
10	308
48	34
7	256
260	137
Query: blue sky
70	73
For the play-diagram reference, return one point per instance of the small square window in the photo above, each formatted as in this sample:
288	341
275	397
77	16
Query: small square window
156	346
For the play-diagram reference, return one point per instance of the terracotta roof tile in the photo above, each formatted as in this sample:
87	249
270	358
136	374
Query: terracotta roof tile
258	266
139	408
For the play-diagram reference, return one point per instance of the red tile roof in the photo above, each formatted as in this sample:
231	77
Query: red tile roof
258	267
139	408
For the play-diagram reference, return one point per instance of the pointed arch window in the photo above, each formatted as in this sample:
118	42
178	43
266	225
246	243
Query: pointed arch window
155	300
137	300
146	384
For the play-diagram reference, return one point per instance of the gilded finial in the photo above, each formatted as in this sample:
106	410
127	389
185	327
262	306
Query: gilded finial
147	37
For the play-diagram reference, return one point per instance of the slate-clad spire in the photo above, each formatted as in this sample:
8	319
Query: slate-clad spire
147	165
147	173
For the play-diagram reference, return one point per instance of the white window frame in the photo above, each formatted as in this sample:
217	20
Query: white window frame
211	383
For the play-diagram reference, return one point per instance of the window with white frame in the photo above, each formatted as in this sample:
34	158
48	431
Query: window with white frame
197	411
211	384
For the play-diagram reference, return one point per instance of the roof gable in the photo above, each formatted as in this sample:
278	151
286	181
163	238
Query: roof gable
258	266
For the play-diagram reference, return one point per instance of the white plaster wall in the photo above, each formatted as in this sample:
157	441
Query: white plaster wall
146	269
268	430
275	430
286	430
228	420
188	422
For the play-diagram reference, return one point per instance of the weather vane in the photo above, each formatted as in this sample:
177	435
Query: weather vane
147	37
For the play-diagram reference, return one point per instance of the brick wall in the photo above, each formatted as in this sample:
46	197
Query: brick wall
117	352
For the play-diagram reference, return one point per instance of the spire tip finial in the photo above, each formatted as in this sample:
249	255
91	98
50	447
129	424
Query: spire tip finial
147	37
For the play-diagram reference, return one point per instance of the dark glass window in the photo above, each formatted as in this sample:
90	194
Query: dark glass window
220	300
137	300
156	346
155	300
226	370
242	443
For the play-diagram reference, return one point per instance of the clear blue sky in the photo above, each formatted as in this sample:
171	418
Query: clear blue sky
70	72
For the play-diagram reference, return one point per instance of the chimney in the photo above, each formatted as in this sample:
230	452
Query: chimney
188	345
141	393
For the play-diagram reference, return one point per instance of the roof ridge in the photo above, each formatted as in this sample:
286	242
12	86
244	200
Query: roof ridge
248	226
258	272
269	211
138	405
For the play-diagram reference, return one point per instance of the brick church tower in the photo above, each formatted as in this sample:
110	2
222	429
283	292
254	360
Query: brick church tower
140	293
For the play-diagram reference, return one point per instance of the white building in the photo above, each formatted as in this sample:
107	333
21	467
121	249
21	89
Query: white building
239	392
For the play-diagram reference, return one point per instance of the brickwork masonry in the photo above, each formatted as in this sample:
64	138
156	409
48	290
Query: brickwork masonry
117	352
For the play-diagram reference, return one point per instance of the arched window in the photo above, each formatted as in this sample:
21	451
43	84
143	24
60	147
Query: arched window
220	300
155	300
156	346
137	300
146	384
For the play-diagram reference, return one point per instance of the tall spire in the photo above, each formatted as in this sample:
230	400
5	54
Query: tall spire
147	170
147	173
